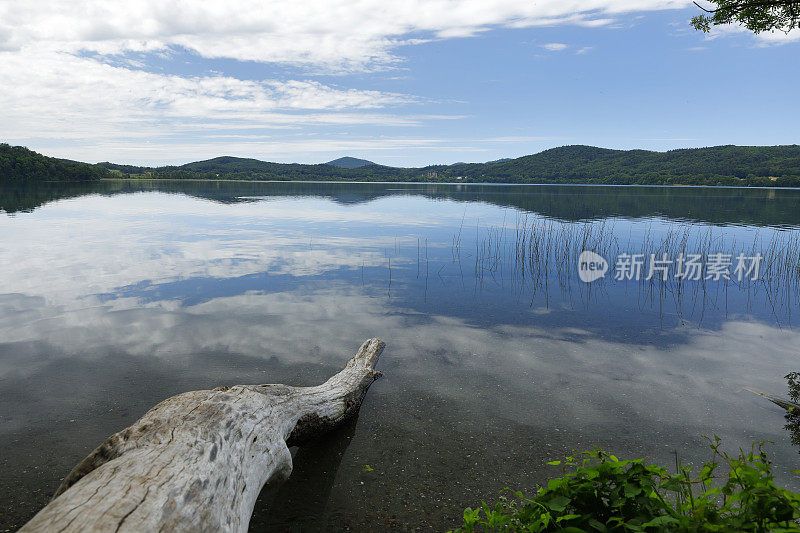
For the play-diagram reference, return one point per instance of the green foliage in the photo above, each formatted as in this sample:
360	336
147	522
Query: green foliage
793	381
793	414
598	492
719	165
755	15
20	165
237	168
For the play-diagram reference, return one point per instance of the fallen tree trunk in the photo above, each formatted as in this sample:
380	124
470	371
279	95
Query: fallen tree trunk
197	461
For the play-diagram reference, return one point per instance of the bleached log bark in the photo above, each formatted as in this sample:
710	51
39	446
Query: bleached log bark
790	406
197	461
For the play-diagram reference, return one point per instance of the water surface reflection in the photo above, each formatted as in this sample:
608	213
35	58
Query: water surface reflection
110	303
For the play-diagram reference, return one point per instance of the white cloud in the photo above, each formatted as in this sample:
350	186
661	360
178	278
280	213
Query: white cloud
73	71
779	37
762	39
336	33
45	92
555	47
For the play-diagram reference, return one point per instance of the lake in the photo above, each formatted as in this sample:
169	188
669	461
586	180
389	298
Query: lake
499	358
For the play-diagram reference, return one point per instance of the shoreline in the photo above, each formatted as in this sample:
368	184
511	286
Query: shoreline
491	184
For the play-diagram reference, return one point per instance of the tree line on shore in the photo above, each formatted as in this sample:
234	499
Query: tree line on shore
773	166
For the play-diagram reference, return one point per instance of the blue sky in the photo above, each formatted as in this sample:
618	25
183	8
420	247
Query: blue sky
397	83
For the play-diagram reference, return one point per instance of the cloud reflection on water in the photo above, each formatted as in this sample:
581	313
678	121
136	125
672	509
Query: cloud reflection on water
109	305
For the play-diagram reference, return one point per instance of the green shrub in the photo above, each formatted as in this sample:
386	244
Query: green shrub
598	492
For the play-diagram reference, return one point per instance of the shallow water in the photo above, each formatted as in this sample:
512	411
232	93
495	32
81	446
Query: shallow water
116	295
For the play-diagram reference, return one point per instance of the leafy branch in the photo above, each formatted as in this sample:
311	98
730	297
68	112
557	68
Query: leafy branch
755	15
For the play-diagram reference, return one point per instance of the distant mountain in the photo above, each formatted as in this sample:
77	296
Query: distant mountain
228	167
349	162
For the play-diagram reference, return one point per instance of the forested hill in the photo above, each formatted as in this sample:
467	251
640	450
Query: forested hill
20	165
692	166
719	165
240	168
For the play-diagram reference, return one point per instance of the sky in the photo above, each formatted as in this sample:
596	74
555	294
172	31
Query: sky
401	83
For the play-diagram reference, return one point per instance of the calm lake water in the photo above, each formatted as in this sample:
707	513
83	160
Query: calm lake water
114	296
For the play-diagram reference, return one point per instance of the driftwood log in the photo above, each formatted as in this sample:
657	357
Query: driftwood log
789	405
197	461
